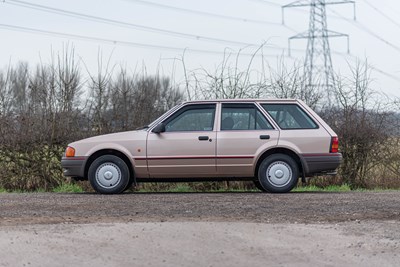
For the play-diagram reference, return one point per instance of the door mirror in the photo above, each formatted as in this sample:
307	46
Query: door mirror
160	128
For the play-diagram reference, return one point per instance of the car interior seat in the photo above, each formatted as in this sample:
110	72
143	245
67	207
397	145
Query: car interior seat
227	123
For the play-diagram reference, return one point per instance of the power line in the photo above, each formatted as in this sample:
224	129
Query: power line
120	23
396	78
116	42
367	30
382	13
268	3
280	6
132	44
149	46
385	73
203	13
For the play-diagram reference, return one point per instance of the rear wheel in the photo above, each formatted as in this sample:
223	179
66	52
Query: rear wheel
109	174
278	173
130	183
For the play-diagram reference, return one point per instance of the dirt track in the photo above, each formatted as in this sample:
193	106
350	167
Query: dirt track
46	208
200	229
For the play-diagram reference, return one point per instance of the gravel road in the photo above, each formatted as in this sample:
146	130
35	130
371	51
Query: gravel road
200	229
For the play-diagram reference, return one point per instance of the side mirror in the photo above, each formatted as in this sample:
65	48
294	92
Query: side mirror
160	128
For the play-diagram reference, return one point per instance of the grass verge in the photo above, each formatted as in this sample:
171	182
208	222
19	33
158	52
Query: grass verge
330	188
68	188
187	188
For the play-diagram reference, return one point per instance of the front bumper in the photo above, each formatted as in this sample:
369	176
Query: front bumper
320	163
74	166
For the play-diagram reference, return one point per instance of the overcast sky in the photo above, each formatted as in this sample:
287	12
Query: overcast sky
122	29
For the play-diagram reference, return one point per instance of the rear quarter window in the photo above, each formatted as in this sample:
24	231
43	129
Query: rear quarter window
290	116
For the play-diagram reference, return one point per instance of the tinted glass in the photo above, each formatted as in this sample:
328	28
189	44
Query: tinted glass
290	116
243	117
192	118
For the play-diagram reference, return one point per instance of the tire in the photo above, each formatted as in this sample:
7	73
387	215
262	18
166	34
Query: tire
278	173
130	183
109	174
259	186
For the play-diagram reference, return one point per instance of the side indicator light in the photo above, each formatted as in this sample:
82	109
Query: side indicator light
70	152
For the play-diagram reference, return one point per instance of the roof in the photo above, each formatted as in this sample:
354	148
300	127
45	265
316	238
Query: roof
244	100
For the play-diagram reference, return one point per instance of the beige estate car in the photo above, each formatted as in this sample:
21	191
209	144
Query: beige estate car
271	142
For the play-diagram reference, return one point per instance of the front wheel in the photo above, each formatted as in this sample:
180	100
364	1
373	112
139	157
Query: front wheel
109	174
259	186
278	173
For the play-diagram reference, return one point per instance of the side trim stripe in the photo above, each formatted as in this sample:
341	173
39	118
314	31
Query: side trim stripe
199	157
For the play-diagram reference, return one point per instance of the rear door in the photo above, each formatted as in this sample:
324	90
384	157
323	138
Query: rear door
244	133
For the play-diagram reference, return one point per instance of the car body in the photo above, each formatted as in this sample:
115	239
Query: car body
271	142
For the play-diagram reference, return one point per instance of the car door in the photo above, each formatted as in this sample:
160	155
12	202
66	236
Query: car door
244	133
187	146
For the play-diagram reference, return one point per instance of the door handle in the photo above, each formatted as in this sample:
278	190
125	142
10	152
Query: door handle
203	138
264	136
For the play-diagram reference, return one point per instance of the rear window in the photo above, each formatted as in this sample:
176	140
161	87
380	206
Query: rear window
290	116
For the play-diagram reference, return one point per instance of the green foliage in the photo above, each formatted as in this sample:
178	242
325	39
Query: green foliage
181	188
231	186
68	188
329	188
31	170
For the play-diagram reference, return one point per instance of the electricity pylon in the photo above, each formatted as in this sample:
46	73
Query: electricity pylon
318	70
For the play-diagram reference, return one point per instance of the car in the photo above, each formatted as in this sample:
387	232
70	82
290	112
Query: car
272	142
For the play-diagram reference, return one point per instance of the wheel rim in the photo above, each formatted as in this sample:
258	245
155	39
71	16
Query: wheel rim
108	175
279	173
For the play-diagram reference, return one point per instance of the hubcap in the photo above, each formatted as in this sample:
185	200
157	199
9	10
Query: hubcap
279	173
108	175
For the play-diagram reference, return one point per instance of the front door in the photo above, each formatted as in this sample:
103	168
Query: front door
187	147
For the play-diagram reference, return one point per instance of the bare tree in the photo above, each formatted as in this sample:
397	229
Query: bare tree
227	80
286	82
364	123
99	94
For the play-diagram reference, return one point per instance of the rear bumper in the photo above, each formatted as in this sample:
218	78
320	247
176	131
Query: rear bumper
321	163
74	166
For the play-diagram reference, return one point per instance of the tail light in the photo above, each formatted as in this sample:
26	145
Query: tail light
335	145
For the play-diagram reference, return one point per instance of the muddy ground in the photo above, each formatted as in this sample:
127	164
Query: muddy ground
200	229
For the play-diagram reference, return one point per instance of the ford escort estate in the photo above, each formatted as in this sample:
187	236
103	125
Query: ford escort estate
270	142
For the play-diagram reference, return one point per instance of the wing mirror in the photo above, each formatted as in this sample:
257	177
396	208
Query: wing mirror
160	128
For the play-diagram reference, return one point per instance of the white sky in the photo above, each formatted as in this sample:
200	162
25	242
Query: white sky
383	54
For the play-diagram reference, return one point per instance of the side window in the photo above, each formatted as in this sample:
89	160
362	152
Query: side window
192	118
290	116
243	117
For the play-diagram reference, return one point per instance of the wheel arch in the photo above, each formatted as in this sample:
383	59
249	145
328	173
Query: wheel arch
114	152
280	150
